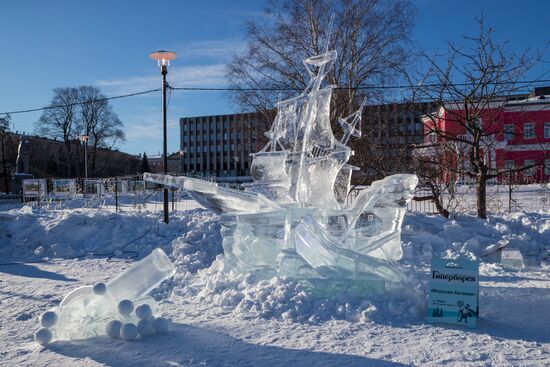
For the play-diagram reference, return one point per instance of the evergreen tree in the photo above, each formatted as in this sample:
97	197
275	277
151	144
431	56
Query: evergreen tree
144	167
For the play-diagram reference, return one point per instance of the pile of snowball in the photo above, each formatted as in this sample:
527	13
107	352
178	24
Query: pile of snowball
137	322
147	324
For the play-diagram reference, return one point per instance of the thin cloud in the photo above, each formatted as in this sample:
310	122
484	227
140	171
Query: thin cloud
210	70
219	50
200	76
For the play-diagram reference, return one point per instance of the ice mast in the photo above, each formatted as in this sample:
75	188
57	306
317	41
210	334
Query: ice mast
295	218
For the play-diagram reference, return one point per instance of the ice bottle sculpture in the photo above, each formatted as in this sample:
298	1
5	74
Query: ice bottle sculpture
294	218
86	312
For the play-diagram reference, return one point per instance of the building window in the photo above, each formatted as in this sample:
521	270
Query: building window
547	130
529	171
528	130
509	132
547	167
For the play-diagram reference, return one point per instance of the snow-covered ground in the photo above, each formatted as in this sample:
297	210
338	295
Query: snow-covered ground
226	319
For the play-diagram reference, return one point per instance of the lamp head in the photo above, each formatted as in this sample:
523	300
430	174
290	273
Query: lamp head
163	57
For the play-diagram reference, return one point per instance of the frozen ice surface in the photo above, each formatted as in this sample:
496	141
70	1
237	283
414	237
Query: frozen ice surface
294	219
84	313
512	260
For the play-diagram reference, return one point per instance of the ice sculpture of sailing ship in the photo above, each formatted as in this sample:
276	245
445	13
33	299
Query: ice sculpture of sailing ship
294	219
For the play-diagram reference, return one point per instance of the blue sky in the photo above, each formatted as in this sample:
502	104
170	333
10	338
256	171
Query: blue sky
49	44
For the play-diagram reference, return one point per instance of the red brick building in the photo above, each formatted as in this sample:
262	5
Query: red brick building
517	134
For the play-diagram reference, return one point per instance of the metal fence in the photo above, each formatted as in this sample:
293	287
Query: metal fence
9	202
119	194
133	194
501	198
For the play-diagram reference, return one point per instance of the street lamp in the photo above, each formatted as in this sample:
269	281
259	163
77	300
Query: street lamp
236	169
182	154
84	139
163	58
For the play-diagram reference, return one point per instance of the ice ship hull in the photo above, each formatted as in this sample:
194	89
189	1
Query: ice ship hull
212	196
360	242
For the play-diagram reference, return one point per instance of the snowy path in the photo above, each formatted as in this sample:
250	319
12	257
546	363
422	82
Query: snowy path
509	334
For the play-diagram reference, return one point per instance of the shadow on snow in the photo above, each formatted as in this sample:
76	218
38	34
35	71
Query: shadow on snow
31	271
191	345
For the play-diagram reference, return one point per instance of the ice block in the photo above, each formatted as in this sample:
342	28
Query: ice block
85	311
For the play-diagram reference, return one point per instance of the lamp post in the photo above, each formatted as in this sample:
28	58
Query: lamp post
84	139
236	169
182	154
163	58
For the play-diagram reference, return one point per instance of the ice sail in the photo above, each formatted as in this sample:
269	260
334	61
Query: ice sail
295	218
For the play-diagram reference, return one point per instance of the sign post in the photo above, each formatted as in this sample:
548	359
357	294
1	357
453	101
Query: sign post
453	296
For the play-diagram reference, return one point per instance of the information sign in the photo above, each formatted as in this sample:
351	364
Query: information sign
453	295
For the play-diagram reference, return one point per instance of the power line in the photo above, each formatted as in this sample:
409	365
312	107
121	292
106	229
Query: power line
228	89
362	87
80	103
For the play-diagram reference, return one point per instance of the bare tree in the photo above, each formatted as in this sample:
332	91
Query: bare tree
369	35
389	132
59	120
98	121
471	86
76	111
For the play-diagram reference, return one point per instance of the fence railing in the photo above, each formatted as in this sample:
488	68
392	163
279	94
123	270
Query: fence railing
501	198
9	202
127	193
131	193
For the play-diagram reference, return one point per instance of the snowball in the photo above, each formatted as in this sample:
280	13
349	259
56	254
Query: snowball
161	325
144	311
43	336
128	331
113	328
100	288
145	327
48	319
125	307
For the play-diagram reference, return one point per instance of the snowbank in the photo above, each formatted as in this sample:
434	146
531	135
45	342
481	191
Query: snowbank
465	236
28	234
193	241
